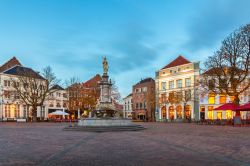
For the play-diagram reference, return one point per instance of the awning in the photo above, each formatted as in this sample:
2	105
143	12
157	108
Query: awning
227	106
58	112
245	107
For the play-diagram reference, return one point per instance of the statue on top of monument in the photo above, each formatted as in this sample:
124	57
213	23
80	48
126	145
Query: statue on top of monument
105	65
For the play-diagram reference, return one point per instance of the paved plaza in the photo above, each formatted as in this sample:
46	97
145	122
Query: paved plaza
160	144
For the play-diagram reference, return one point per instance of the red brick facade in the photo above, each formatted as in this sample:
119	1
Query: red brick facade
144	100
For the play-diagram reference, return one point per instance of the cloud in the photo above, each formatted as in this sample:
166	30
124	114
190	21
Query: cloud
215	20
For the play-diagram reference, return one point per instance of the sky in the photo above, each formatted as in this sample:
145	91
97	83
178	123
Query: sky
138	37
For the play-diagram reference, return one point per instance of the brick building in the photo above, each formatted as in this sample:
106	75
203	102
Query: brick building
84	96
144	100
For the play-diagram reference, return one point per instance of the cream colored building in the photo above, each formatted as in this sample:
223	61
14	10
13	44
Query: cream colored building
209	101
128	106
11	106
177	96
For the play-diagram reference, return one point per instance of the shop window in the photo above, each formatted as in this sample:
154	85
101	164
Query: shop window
163	112
179	111
210	112
219	115
228	114
171	112
188	112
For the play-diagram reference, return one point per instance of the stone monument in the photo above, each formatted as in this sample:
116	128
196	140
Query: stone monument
105	117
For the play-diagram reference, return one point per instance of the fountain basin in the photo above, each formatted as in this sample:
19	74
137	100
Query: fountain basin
104	122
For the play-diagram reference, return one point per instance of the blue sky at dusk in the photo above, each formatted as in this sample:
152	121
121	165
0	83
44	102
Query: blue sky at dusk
138	37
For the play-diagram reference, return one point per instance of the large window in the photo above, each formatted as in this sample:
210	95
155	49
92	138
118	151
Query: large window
223	99
171	84
163	112
163	85
179	83
188	82
229	114
211	98
219	115
179	112
171	112
210	112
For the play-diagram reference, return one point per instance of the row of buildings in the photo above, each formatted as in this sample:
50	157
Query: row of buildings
12	107
78	99
176	94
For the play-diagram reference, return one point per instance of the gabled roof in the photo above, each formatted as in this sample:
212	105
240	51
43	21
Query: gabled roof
23	71
180	60
57	87
145	80
9	64
93	81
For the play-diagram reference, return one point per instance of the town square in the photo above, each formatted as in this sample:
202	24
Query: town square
124	82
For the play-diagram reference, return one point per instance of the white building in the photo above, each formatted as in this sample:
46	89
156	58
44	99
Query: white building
57	99
176	91
127	106
11	105
210	100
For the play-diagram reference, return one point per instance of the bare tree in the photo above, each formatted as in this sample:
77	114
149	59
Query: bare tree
32	88
227	71
115	94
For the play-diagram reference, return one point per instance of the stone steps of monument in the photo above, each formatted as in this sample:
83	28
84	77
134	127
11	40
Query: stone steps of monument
105	128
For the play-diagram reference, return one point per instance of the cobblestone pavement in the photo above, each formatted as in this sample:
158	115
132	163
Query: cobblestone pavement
160	144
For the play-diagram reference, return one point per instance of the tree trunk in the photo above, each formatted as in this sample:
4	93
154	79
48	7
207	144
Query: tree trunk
237	118
34	114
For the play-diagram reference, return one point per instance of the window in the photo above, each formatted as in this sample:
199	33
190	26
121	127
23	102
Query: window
145	105
6	83
171	84
210	112
188	95
163	85
163	98
137	105
232	98
229	114
219	115
211	98
140	105
179	69
58	105
170	71
24	111
144	89
223	99
188	82
179	83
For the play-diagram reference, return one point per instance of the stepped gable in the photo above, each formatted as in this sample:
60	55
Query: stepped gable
9	64
180	60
